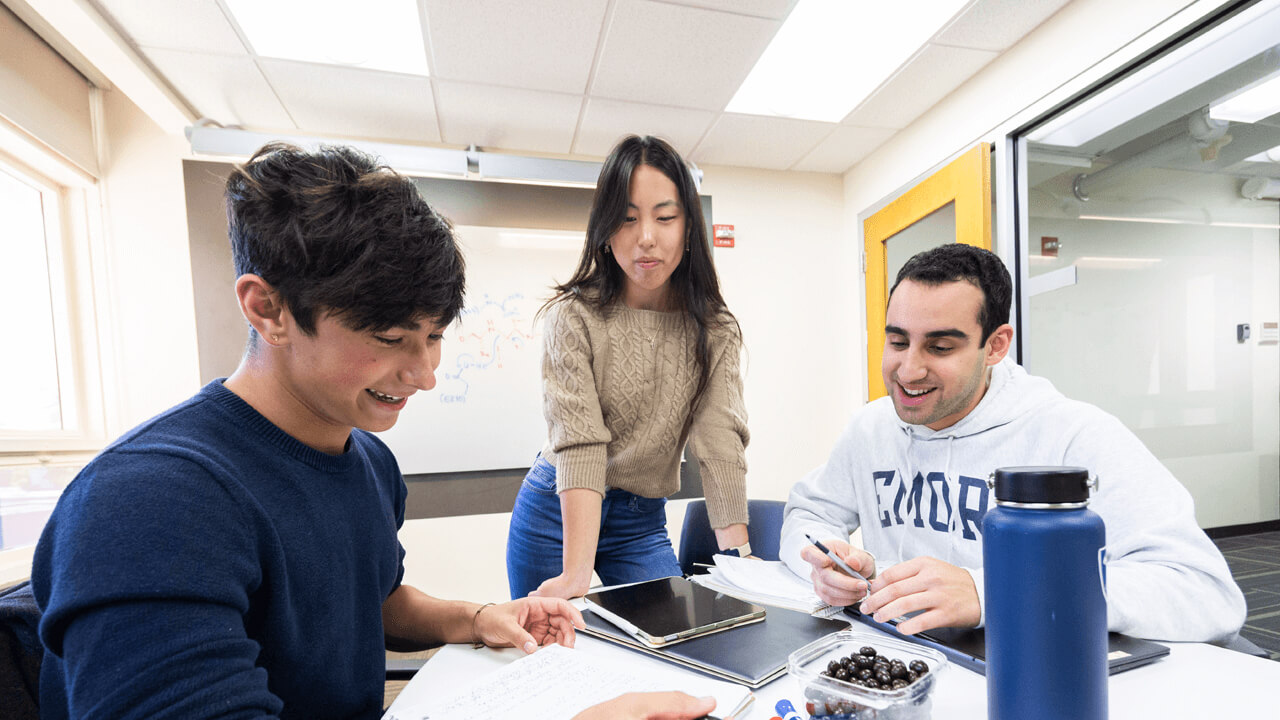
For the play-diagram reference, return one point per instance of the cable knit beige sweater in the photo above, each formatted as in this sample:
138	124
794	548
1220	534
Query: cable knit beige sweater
616	388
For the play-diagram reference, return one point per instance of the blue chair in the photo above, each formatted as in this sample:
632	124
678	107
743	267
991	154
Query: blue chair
698	540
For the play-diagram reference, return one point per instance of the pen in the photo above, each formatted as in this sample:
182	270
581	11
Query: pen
844	566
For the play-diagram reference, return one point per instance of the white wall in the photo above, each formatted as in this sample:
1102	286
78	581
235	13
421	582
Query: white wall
787	282
152	314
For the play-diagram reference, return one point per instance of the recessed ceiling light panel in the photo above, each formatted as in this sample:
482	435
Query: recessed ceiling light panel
372	34
830	55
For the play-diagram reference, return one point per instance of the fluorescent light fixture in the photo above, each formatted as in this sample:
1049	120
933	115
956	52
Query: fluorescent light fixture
1266	156
1115	263
407	159
1121	218
371	34
1171	221
1262	100
542	171
1258	226
1243	36
830	55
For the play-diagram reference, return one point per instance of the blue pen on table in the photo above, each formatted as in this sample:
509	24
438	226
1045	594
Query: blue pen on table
786	710
844	566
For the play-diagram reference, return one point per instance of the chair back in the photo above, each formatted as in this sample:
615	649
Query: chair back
20	653
698	540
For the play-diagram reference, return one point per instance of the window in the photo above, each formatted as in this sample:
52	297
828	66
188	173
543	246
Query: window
1153	263
52	413
29	371
49	373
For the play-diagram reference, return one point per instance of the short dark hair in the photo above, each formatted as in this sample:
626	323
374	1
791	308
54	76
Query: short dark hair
954	262
335	231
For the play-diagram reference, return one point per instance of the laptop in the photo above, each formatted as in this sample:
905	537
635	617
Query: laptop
967	647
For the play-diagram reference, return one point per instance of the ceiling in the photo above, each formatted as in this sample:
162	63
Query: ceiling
561	77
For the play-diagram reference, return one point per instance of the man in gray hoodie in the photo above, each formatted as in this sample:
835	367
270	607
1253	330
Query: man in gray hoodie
910	470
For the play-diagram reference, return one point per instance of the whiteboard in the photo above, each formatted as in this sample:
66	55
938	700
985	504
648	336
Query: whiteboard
485	412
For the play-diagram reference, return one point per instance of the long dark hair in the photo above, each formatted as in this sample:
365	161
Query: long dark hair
695	288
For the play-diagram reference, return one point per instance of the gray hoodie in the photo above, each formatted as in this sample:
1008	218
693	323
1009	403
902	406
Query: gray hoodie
917	492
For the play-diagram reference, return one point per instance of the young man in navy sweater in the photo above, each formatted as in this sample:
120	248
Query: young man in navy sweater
237	555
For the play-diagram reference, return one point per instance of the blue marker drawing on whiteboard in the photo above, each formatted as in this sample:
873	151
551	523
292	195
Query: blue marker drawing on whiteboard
491	328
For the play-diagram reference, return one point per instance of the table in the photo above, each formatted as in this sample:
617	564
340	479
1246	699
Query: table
1196	681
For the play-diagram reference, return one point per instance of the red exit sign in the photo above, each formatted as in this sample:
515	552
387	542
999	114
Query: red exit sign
722	236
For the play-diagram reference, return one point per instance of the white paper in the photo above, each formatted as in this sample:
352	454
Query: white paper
557	682
768	582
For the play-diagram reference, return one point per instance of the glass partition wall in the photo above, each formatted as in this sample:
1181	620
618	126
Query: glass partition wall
1153	265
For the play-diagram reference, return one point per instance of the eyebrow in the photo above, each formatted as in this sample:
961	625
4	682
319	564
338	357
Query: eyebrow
950	333
664	203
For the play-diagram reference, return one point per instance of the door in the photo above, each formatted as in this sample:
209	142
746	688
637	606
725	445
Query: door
951	205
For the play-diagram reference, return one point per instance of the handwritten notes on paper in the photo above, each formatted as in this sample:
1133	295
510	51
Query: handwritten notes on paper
557	682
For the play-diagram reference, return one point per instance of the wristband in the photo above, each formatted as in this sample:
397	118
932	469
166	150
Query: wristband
477	643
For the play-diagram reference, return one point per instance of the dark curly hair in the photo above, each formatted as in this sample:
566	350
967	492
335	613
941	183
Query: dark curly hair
695	287
335	231
956	261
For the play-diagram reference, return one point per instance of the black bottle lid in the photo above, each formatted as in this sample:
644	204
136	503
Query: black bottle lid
1049	484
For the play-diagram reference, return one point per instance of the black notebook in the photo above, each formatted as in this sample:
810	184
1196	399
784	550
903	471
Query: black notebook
670	610
750	654
967	647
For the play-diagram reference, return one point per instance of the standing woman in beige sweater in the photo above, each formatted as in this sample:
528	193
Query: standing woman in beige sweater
641	355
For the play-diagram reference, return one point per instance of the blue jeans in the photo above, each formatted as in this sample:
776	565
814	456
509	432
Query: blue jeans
633	544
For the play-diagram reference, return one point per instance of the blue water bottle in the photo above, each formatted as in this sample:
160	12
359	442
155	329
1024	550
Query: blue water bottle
1046	607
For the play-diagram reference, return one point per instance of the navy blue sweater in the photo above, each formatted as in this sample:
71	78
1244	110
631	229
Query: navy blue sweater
207	564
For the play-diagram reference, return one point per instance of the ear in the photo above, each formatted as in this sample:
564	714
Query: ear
262	307
998	344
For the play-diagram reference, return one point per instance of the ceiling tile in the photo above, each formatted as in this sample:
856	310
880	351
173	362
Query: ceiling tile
605	122
349	102
927	78
505	118
193	25
227	89
676	55
843	149
758	141
776	9
532	44
997	24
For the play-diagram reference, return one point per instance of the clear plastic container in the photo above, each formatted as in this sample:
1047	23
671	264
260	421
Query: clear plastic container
829	697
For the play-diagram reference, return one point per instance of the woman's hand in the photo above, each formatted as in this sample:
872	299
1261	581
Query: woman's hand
528	623
563	586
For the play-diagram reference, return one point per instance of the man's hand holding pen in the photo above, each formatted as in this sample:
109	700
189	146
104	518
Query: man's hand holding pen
833	585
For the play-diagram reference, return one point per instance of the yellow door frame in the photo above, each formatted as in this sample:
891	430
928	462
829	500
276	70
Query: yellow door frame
966	181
